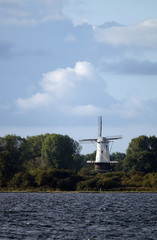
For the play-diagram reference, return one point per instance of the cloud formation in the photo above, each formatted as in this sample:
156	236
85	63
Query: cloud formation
64	81
38	100
81	92
66	87
131	67
65	74
143	34
23	12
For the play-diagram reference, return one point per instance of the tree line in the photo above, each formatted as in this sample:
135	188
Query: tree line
54	161
35	154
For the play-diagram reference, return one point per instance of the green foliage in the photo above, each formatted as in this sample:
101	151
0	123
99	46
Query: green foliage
58	179
84	172
119	157
88	185
150	180
59	150
11	147
79	162
118	181
22	180
37	153
54	161
33	166
133	180
100	182
141	155
34	146
90	157
108	183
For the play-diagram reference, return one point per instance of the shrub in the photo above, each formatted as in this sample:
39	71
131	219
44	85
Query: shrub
22	180
150	180
88	185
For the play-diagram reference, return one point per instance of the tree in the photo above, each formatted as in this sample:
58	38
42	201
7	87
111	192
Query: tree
11	147
119	157
59	151
33	166
79	162
90	156
34	162
34	145
141	155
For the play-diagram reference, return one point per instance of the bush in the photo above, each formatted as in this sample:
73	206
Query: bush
133	180
88	185
64	180
108	183
22	180
150	180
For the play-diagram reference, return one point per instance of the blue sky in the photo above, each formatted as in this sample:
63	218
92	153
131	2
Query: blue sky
63	63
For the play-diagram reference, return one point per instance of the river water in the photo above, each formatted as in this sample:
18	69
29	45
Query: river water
84	216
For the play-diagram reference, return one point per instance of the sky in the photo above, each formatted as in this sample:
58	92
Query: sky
63	63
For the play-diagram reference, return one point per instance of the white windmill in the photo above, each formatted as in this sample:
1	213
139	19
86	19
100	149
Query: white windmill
102	161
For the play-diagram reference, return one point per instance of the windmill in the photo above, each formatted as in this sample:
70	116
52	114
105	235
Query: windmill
102	161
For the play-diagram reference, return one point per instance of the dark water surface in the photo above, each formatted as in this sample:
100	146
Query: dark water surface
78	216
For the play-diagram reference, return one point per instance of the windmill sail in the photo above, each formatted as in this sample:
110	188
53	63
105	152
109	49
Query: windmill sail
88	140
100	126
114	137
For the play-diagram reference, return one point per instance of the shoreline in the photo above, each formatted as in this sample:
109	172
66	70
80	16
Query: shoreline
59	191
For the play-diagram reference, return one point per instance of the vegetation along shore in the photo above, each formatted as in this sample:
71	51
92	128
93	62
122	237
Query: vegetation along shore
52	163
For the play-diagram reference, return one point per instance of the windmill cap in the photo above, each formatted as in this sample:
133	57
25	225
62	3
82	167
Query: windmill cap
107	139
102	139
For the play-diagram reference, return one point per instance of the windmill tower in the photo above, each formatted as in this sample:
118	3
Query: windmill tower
102	161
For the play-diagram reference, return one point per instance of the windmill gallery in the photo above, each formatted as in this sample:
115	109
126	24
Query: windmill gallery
102	161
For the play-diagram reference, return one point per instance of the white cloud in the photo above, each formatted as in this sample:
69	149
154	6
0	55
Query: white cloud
63	87
57	82
80	91
23	12
36	101
63	81
143	34
85	69
87	110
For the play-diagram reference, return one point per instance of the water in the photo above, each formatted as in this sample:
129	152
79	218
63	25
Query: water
78	216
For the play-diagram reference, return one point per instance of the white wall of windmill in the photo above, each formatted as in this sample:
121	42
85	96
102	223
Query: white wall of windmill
102	153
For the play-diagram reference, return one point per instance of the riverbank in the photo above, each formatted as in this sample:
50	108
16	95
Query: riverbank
41	190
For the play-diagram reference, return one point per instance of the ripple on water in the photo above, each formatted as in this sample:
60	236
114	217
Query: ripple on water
78	216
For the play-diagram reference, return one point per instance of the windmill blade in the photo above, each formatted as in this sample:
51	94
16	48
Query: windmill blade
114	137
88	140
100	126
